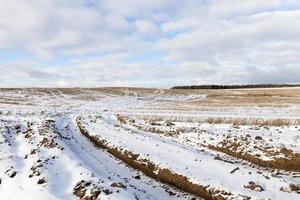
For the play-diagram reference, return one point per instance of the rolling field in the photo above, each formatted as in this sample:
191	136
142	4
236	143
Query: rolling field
135	143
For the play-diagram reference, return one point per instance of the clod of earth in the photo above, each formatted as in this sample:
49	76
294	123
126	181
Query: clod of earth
258	137
291	188
119	185
107	191
41	181
137	177
234	170
11	173
253	186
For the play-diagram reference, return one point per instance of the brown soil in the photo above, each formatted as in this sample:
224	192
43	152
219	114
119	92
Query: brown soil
81	190
253	186
41	181
291	163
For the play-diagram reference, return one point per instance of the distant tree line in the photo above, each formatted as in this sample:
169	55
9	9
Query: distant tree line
215	87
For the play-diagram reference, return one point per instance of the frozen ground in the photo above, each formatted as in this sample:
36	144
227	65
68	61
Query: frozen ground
148	144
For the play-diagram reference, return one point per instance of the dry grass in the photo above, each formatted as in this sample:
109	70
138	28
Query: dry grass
259	97
234	97
243	97
222	120
257	122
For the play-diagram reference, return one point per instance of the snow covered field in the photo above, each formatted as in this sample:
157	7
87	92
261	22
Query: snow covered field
116	143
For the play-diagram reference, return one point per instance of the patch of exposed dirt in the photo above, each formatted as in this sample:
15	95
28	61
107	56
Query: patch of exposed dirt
87	190
290	161
254	186
11	172
291	188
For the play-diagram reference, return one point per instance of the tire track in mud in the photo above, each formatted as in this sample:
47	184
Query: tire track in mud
100	163
22	183
290	161
152	170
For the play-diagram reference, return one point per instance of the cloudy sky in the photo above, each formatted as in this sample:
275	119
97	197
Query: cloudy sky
151	43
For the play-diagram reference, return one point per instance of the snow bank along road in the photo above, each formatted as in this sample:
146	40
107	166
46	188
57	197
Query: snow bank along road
118	143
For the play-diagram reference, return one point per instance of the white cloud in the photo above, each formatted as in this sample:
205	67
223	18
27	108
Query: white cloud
202	42
146	28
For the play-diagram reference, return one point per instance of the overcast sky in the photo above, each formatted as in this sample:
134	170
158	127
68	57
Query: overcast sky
151	43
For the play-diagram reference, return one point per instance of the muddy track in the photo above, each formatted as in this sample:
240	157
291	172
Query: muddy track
291	161
292	164
153	171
